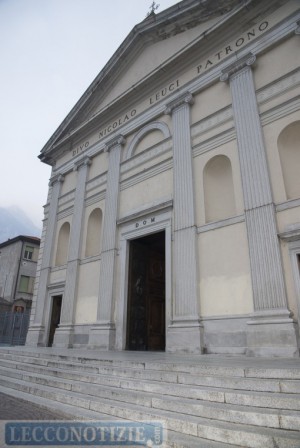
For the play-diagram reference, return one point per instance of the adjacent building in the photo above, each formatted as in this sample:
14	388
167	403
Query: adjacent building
18	263
173	215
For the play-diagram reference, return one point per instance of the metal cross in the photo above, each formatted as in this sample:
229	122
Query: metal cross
153	8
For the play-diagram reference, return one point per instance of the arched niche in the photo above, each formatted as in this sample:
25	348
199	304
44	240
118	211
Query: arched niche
62	245
159	126
289	153
93	236
218	189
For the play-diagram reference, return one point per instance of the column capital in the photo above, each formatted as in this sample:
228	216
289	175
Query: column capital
85	161
185	98
118	140
56	178
245	61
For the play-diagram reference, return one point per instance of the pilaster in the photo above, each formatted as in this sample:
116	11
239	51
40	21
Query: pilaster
36	332
102	334
185	330
271	330
64	333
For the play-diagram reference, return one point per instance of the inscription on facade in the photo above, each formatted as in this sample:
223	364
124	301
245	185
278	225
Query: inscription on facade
112	126
234	46
82	147
145	222
164	92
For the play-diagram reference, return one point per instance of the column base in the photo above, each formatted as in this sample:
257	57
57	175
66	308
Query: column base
102	336
63	336
272	333
36	336
184	336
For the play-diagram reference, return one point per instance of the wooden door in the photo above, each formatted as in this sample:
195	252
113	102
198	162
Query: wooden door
146	294
156	301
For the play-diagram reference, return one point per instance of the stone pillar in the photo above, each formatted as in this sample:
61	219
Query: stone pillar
103	333
271	330
185	330
36	333
64	333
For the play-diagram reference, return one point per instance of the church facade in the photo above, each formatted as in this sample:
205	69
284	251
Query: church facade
173	216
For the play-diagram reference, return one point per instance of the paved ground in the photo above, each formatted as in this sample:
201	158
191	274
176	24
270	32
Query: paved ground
13	408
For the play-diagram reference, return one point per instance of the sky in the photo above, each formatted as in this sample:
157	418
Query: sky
50	52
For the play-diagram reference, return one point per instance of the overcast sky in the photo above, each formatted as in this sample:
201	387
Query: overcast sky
50	51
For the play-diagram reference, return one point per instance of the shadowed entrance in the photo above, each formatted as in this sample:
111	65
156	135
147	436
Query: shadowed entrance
55	317
146	293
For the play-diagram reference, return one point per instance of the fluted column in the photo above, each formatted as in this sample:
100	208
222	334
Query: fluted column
103	332
64	333
185	331
271	330
36	333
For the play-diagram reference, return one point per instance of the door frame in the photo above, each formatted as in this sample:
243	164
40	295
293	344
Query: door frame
294	251
139	247
53	297
134	228
54	290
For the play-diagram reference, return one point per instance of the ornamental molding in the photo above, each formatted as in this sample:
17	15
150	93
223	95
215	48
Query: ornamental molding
148	209
85	161
146	156
67	197
246	61
185	98
156	125
57	178
147	174
278	87
119	140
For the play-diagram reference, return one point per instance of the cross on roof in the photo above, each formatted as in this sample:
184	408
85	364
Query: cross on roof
153	7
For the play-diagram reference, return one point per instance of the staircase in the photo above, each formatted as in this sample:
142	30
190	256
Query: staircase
204	401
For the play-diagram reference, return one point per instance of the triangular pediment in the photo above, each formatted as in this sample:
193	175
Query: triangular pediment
150	58
150	55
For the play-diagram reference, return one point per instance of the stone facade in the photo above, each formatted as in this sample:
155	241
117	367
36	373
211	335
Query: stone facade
173	215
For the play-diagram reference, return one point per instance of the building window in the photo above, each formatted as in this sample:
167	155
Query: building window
24	283
28	253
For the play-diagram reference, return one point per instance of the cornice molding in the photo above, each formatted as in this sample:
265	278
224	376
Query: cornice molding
246	61
146	210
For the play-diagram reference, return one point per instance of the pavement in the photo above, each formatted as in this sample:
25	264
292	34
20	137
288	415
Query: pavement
14	408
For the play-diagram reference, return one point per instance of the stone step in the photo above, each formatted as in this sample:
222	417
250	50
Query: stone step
249	415
174	439
255	384
130	391
251	384
236	367
203	428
